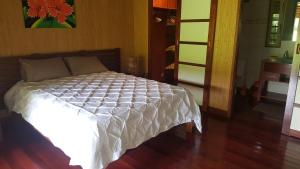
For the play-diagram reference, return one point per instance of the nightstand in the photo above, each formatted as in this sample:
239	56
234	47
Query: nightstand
4	115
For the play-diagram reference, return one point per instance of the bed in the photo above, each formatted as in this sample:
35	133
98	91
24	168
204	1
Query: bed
95	118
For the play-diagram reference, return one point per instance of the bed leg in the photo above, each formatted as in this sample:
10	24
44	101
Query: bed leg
189	133
189	127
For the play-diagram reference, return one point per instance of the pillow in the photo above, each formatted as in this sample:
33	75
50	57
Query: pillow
33	70
85	65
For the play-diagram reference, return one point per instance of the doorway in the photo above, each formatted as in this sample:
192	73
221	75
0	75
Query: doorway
266	45
181	38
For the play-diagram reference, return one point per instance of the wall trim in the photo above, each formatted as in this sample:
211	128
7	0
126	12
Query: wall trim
218	113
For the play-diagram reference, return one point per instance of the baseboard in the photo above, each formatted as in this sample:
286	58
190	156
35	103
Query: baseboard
218	113
294	133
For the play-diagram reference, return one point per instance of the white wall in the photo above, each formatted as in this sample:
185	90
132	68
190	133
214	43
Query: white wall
252	50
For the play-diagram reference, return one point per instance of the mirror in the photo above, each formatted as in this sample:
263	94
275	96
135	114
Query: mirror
283	22
273	38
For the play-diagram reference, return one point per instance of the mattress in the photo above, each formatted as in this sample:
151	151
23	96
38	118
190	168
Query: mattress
95	118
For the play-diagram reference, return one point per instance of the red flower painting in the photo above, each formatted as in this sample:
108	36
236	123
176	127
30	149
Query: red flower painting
49	13
59	9
37	8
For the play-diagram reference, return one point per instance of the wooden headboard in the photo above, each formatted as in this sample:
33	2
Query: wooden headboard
10	67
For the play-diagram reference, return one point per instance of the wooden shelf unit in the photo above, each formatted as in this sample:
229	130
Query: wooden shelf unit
163	35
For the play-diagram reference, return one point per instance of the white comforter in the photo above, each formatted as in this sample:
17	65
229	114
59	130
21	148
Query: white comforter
95	118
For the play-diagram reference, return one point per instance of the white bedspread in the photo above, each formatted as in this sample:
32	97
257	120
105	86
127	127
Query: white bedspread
95	118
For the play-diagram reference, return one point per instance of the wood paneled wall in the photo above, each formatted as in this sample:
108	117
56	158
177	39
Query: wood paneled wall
140	15
224	56
101	24
105	24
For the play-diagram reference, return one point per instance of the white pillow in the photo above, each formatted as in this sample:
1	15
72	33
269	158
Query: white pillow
33	70
85	65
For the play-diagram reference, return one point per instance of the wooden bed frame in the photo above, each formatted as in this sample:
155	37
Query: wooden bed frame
10	67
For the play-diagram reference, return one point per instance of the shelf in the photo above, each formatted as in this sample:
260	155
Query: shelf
164	9
277	97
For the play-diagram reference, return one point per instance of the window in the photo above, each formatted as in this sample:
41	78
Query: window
296	23
295	33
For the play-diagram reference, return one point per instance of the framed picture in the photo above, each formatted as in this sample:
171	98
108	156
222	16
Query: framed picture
49	13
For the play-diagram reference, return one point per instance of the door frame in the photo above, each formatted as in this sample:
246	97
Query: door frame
210	47
288	113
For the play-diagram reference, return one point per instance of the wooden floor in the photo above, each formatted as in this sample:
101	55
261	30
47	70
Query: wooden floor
245	142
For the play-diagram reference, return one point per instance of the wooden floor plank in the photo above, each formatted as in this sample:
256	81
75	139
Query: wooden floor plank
246	142
4	164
